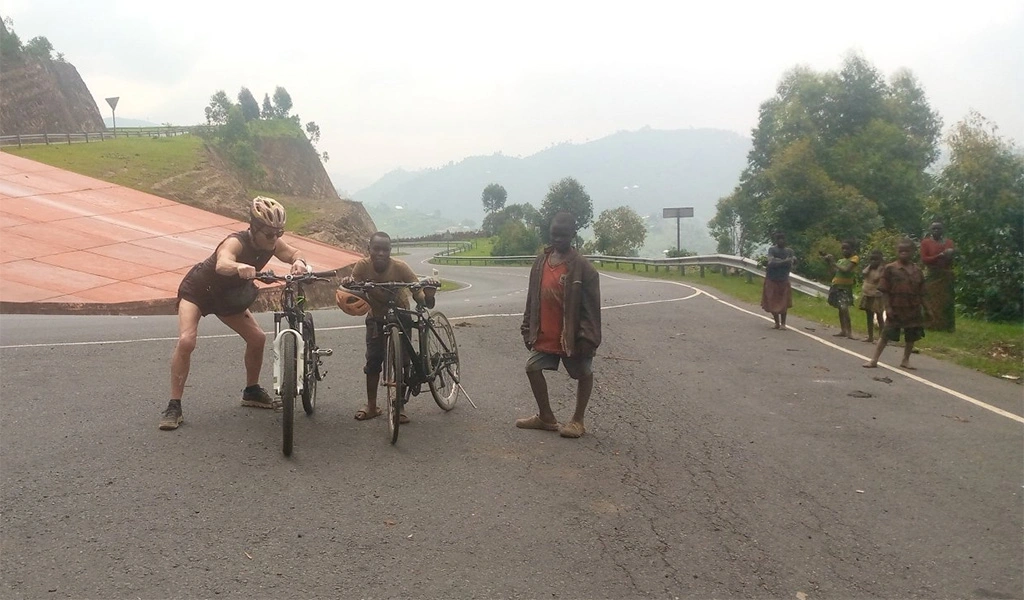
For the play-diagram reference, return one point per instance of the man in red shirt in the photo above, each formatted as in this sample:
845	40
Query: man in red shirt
561	323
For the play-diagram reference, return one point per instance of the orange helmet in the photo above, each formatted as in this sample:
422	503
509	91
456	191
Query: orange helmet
267	211
351	303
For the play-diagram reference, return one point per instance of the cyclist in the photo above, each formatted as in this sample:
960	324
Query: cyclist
379	267
223	285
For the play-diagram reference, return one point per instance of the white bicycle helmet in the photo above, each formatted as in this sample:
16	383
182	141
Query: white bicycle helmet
268	211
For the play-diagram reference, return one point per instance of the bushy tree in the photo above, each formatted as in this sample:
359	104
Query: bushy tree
282	102
978	197
619	232
313	131
493	198
516	239
10	43
39	47
523	213
268	107
567	195
219	107
835	155
250	108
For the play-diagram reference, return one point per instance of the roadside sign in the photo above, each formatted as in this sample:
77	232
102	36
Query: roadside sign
676	213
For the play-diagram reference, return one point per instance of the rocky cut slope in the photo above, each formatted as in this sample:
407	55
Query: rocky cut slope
45	96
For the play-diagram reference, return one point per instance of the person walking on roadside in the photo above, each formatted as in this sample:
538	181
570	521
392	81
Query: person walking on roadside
840	295
902	286
223	285
777	293
561	324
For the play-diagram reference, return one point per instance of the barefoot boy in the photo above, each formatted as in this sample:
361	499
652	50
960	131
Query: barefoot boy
902	286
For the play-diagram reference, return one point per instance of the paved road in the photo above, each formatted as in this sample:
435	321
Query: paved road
722	459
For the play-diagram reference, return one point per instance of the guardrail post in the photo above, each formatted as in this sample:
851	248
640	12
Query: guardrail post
750	277
86	137
682	270
19	140
46	137
69	139
702	271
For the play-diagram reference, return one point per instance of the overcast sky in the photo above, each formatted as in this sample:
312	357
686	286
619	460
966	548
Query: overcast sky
419	84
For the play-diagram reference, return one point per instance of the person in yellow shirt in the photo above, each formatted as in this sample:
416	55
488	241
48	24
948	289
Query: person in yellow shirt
840	295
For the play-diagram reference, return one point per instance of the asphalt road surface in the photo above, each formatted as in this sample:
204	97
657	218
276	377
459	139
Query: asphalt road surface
722	459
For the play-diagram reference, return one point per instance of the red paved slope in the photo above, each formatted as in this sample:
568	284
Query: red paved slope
70	243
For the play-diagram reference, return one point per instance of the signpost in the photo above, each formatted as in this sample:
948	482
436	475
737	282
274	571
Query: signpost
678	213
113	105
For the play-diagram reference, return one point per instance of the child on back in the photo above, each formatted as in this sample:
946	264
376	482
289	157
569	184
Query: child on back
871	301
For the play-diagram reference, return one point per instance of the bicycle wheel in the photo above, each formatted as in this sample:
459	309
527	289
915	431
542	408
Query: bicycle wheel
394	382
444	358
289	365
312	367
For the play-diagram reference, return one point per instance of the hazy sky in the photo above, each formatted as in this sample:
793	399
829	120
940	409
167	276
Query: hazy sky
419	84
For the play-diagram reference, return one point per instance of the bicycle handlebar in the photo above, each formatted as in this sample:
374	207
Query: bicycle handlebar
362	286
270	277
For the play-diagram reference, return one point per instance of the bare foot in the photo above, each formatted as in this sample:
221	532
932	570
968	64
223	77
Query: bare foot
907	367
840	334
870	365
869	340
850	335
776	326
782	328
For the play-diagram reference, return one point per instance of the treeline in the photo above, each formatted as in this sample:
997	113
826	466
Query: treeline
12	49
845	155
521	229
239	123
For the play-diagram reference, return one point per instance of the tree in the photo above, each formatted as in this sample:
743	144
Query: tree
567	195
516	239
10	43
834	155
619	232
978	199
39	47
523	213
282	102
250	108
313	131
494	197
219	107
268	107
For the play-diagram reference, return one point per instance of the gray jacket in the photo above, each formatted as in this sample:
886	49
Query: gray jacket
581	327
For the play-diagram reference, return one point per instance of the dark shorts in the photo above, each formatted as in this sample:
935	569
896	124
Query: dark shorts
910	334
575	367
224	303
375	350
840	297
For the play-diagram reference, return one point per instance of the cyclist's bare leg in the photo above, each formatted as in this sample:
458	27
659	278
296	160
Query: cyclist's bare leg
372	383
255	341
181	359
539	386
584	386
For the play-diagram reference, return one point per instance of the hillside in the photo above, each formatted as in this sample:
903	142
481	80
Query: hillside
45	96
647	170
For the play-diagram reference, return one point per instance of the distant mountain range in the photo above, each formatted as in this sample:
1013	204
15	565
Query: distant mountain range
647	170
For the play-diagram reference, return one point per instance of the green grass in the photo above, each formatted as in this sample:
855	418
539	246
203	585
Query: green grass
135	162
992	348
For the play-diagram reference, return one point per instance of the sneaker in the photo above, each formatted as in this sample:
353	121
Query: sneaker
257	397
172	416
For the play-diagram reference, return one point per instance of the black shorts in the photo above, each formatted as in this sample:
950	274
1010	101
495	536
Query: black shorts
910	334
375	343
226	302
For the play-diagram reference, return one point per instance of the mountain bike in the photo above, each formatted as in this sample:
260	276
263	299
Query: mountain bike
433	359
296	356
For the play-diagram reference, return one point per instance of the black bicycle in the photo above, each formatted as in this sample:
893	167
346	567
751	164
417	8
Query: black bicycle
295	349
433	358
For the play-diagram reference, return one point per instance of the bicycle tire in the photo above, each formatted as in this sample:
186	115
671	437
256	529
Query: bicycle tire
443	351
394	382
289	366
312	366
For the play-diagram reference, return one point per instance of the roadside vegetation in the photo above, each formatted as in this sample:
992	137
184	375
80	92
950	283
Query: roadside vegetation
989	347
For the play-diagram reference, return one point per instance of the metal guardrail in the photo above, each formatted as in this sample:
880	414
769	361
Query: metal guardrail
31	139
749	266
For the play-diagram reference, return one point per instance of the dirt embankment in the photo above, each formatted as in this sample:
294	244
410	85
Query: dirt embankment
294	175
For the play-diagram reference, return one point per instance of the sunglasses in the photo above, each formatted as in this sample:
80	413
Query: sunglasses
270	233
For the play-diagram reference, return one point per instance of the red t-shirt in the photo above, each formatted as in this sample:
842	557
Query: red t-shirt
552	300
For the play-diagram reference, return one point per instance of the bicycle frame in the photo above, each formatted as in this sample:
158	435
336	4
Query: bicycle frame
418	356
291	309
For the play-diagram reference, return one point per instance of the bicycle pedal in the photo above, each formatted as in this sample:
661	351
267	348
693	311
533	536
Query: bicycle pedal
324	352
